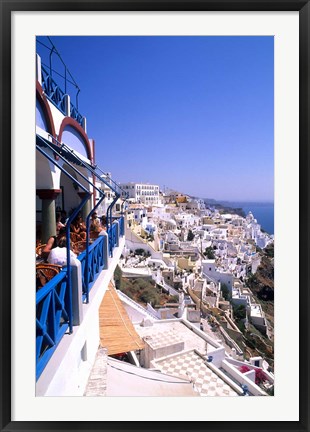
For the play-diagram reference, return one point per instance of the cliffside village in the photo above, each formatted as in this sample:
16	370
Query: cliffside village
200	258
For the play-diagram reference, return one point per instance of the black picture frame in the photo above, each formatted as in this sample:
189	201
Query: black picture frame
7	7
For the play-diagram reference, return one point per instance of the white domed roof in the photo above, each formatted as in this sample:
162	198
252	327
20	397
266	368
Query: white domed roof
172	221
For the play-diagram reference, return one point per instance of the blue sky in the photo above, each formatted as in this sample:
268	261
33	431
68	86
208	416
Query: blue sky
194	114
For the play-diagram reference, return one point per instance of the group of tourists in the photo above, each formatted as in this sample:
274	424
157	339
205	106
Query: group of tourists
55	250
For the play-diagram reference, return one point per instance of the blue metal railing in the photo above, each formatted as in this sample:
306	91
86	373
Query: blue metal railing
113	240
97	260
109	216
74	113
121	226
52	91
67	77
56	95
118	194
52	318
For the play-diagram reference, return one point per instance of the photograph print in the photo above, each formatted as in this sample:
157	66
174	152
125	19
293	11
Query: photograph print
154	216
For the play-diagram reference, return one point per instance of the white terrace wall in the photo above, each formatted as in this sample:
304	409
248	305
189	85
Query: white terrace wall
134	242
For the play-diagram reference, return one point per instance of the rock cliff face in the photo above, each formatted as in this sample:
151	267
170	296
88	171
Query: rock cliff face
231	210
262	282
262	286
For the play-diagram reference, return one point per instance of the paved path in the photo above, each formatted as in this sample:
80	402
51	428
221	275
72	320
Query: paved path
215	335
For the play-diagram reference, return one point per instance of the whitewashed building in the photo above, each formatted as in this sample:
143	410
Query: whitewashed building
141	192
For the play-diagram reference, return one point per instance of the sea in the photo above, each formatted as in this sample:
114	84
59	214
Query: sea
262	212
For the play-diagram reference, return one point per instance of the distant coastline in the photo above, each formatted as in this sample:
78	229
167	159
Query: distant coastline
263	213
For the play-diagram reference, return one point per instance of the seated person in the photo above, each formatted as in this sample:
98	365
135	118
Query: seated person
58	255
78	227
95	226
82	224
38	236
59	224
64	217
52	242
104	222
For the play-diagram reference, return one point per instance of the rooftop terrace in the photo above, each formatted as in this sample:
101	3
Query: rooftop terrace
191	365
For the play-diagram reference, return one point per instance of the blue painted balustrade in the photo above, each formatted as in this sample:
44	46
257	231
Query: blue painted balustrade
97	261
56	95
113	237
52	91
52	318
75	114
52	301
121	226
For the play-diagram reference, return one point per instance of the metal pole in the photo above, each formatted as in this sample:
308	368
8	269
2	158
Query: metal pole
50	57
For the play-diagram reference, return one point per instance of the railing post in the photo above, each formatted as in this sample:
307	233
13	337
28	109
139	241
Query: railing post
121	225
117	233
105	245
84	124
76	278
38	70
66	102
